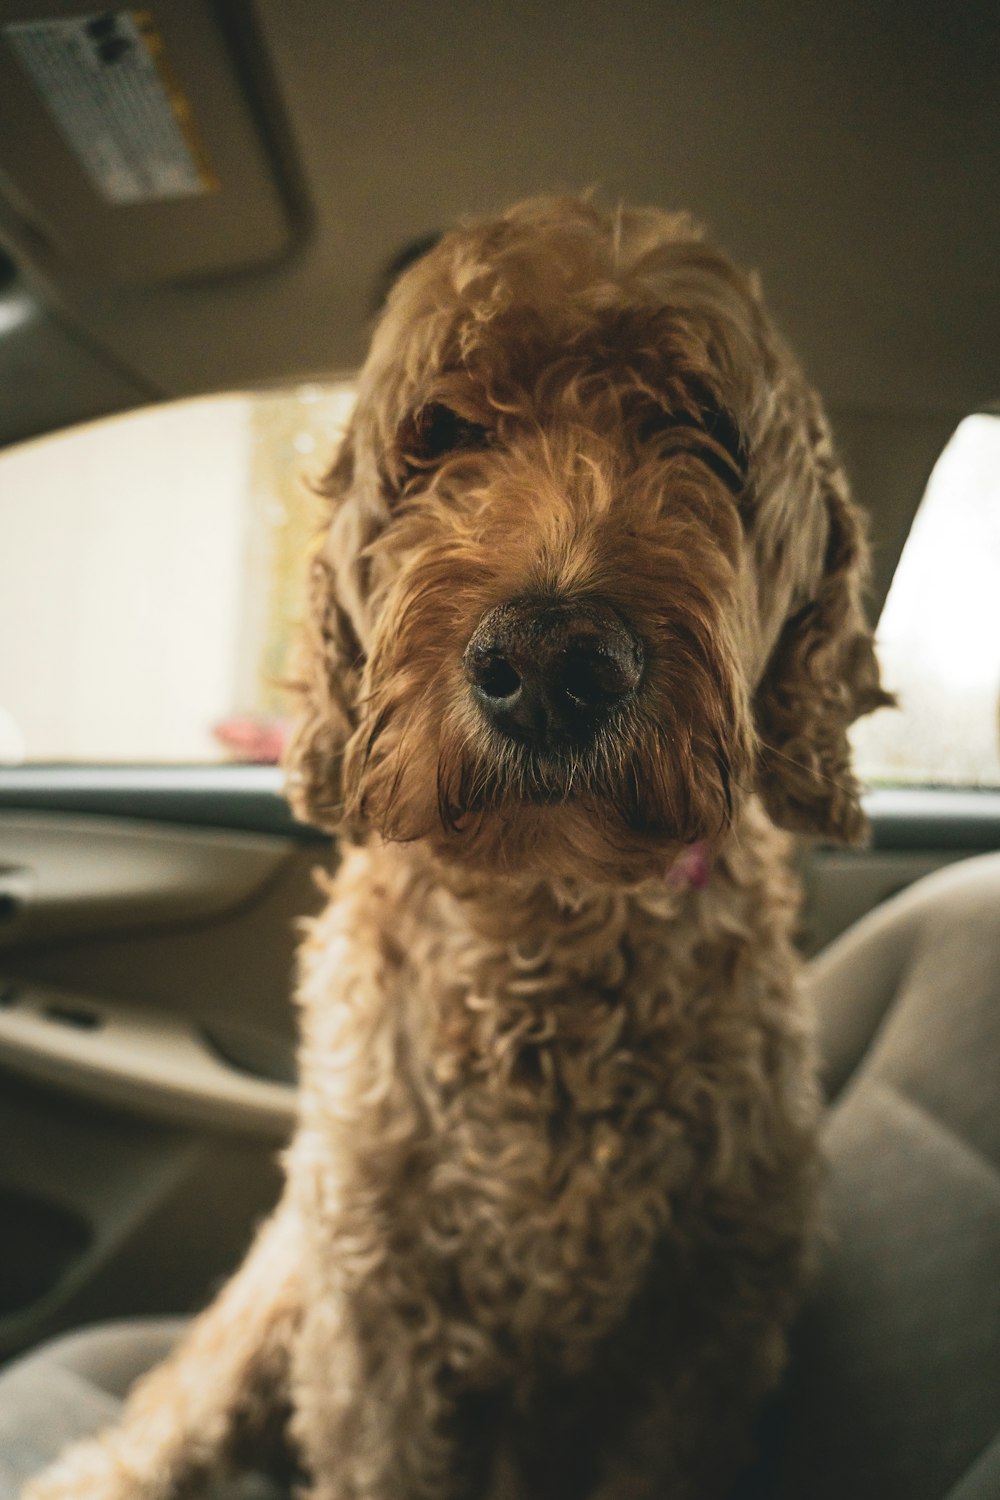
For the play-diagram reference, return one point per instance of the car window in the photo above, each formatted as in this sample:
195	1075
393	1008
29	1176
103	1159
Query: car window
939	634
151	576
151	580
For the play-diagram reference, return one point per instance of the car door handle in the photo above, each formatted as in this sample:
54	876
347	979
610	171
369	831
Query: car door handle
150	1062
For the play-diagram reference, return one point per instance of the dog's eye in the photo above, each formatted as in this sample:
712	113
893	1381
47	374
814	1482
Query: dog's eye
435	431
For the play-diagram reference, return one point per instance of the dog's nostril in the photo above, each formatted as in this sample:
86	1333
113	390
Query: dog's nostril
596	679
499	680
492	674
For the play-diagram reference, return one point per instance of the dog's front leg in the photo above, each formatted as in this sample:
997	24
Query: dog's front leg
213	1404
373	1419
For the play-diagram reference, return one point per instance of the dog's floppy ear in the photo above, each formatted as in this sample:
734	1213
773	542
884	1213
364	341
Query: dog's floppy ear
328	664
822	675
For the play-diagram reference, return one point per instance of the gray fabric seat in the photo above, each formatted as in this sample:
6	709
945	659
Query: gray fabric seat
894	1388
69	1388
76	1385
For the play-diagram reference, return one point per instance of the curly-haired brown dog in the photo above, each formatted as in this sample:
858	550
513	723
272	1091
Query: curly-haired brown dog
585	627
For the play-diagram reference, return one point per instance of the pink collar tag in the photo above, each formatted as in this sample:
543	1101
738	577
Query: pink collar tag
693	866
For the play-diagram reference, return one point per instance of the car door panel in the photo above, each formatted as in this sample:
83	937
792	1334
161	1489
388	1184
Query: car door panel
146	1052
61	875
106	1214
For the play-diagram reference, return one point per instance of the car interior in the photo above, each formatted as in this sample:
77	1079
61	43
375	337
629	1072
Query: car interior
231	234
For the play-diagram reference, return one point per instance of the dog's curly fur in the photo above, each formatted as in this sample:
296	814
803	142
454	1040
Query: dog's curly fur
551	1198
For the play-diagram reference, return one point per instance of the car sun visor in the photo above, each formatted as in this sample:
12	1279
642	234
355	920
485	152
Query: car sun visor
132	148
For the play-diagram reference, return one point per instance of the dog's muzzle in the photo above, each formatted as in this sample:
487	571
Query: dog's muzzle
550	672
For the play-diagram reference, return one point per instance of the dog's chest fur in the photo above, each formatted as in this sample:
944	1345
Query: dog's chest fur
514	1101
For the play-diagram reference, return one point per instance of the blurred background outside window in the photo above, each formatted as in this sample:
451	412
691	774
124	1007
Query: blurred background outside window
151	577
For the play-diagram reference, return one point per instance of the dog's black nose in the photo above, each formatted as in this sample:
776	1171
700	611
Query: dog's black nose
552	671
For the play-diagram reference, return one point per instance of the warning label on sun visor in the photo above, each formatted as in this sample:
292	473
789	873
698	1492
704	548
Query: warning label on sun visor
106	82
